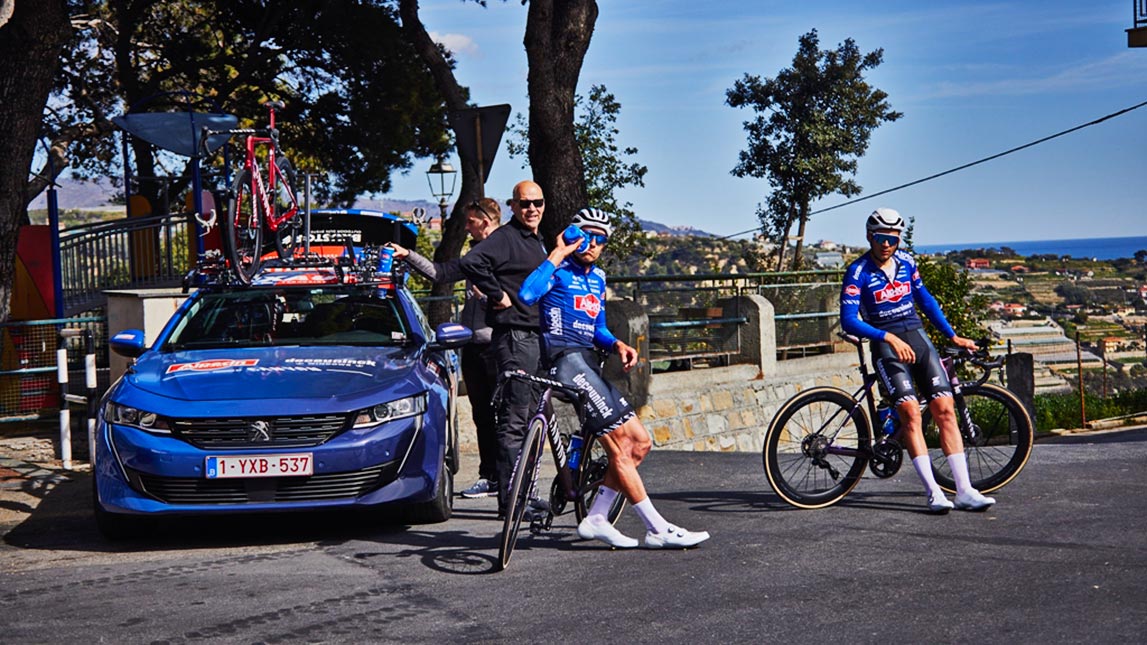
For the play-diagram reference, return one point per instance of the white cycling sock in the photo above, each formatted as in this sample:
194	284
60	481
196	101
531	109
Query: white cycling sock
923	465
958	462
602	503
654	523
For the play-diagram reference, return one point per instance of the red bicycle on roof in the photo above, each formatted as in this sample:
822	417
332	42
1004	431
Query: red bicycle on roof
263	201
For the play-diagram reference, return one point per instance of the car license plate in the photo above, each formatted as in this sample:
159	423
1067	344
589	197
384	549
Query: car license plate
296	464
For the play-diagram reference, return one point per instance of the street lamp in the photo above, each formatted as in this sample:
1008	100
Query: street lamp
442	178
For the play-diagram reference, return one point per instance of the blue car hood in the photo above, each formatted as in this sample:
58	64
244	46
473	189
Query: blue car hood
271	372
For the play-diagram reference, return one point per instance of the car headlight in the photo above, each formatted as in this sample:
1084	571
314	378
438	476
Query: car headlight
399	409
128	416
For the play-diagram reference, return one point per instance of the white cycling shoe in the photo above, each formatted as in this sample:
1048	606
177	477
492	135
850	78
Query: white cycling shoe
675	538
602	530
973	500
939	504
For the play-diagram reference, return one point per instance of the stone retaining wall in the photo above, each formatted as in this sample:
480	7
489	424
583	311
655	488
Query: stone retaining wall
719	409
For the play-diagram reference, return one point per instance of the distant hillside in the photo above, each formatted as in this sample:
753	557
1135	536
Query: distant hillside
654	227
75	195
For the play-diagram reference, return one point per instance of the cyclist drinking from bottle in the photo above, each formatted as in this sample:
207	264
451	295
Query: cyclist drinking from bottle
571	291
878	301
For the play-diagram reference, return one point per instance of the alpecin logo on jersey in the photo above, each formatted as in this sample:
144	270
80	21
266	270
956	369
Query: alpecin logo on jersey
588	303
893	292
852	290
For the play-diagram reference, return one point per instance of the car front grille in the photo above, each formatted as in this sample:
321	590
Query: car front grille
326	486
242	433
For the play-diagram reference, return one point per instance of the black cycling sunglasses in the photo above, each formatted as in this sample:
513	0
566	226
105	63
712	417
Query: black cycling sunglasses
525	203
884	238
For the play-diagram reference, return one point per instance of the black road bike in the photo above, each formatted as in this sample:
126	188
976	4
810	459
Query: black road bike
581	470
820	441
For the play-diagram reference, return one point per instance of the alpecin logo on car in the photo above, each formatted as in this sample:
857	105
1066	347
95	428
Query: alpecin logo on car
259	432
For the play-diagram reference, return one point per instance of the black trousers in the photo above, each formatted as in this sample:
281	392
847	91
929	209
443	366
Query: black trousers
480	371
513	349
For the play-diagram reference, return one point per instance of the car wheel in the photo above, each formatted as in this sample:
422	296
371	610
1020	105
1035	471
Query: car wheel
442	506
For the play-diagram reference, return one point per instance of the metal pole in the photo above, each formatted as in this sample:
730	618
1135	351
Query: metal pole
91	385
307	216
1079	367
1103	357
65	413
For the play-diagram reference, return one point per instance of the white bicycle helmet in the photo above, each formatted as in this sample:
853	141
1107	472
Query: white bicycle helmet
594	217
885	219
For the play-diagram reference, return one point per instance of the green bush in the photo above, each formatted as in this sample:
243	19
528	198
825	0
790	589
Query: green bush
1062	410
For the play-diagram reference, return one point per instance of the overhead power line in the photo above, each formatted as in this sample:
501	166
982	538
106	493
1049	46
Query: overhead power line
959	168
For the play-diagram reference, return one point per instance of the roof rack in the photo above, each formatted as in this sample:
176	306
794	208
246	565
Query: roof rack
358	266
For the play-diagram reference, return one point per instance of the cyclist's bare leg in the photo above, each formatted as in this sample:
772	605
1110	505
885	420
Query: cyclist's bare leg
912	433
627	447
943	411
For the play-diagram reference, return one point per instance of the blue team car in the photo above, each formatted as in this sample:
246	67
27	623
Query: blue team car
316	387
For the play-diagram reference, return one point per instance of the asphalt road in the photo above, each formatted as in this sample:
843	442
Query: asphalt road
1061	558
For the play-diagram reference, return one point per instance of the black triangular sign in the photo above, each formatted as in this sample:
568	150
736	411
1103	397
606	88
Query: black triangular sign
466	123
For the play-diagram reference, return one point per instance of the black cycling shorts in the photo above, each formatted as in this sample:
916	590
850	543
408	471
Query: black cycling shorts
927	371
605	408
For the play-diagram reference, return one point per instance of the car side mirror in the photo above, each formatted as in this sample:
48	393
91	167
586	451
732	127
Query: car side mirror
449	336
129	342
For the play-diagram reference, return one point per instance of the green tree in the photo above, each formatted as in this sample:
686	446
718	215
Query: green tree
953	289
608	167
360	103
32	35
814	122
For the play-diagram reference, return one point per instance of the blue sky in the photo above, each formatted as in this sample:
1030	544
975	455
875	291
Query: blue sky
972	79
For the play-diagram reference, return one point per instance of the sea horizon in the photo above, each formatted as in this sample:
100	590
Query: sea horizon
1099	248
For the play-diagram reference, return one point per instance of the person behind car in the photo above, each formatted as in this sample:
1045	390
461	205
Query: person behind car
878	301
571	293
479	370
497	267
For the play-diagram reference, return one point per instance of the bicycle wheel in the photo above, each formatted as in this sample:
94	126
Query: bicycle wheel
288	236
244	233
799	457
518	494
997	445
595	463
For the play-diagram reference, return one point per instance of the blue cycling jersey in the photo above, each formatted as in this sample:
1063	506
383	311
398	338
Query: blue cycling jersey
572	298
871	305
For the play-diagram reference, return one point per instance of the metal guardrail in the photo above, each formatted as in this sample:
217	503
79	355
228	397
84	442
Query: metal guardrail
687	321
134	252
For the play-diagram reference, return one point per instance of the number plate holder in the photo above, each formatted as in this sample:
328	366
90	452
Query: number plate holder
297	464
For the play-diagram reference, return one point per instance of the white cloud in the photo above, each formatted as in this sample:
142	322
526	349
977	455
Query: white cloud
456	43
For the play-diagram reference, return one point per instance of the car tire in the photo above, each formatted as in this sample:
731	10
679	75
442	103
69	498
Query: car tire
442	506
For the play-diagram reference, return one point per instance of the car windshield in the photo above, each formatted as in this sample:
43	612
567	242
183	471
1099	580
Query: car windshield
275	317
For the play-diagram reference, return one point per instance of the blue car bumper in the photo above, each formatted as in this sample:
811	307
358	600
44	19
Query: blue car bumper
138	472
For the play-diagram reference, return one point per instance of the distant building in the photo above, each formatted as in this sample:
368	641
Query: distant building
1019	268
977	263
1015	309
831	260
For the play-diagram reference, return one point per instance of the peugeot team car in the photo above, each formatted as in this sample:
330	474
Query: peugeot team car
311	389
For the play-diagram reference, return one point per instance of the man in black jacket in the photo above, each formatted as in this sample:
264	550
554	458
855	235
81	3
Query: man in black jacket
497	267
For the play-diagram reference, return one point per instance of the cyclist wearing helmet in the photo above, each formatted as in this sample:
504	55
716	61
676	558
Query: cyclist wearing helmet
571	293
878	301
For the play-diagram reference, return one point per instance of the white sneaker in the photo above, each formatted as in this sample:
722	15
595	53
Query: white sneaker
973	501
675	538
939	504
602	530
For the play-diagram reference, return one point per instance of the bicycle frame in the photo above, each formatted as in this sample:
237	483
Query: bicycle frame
264	192
545	412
